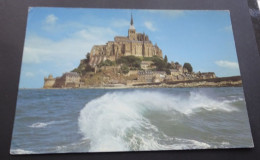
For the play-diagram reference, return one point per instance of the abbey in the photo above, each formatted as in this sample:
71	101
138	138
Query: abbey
136	44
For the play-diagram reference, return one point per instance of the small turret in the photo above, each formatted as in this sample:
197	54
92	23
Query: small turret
50	76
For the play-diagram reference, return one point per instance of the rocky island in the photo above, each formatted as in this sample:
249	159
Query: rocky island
134	61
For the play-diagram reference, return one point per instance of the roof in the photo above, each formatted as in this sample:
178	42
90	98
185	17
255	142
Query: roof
120	38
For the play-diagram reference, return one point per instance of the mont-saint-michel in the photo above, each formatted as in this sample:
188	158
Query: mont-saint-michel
129	80
133	61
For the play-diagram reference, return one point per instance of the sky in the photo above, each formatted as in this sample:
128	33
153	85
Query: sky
58	38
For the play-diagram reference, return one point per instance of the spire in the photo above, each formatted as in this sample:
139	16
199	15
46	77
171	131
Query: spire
132	22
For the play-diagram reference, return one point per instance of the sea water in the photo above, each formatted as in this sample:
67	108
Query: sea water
102	120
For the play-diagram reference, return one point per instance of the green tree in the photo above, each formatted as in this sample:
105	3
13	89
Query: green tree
124	68
89	68
131	61
106	63
165	59
188	67
83	67
168	72
169	66
148	58
88	57
159	63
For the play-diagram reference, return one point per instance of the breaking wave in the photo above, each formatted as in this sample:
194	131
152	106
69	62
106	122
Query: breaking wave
125	121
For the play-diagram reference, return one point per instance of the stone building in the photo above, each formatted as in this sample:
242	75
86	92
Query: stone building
174	72
148	76
67	80
147	65
206	75
136	44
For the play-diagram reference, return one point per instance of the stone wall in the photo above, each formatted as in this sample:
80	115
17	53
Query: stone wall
132	72
213	82
67	80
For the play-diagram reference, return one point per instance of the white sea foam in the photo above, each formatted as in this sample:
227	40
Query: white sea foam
225	143
41	124
234	99
20	151
72	147
116	121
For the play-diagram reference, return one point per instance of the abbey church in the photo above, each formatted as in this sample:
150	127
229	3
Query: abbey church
136	44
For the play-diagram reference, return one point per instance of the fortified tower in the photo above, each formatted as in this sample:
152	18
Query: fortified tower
49	81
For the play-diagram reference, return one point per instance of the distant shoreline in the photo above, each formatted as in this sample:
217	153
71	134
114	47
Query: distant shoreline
128	87
234	81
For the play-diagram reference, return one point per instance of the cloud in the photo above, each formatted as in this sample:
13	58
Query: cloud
65	27
32	53
67	50
97	34
42	72
120	23
149	25
51	19
29	74
227	64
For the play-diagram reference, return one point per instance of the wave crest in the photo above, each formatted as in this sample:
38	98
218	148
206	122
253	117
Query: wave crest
117	122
